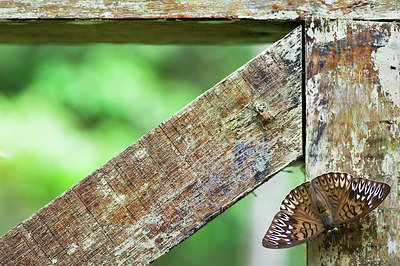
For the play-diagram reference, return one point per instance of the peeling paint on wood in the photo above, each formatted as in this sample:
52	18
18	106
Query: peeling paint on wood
261	9
353	119
177	177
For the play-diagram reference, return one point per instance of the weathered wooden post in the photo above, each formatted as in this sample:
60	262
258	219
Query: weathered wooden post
353	119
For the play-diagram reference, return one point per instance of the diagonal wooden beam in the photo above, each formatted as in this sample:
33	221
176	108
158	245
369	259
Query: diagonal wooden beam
177	177
353	121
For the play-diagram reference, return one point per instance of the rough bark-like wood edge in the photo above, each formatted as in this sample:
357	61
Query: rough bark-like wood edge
353	121
279	10
178	176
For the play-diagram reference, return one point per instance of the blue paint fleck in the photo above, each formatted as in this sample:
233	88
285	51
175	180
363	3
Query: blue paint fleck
260	166
241	153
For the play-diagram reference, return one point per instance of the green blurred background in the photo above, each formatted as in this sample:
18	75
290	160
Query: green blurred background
66	110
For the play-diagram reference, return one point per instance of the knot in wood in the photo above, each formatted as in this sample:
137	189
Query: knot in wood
263	113
266	117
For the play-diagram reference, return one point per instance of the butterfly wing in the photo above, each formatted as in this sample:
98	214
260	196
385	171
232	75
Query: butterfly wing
362	197
296	222
348	198
334	186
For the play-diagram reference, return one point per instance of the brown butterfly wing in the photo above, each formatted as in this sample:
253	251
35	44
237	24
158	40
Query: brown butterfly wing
334	186
362	197
348	198
296	222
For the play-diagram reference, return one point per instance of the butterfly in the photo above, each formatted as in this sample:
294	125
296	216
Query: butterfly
321	205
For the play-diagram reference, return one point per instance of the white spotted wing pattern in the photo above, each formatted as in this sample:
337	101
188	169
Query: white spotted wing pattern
322	204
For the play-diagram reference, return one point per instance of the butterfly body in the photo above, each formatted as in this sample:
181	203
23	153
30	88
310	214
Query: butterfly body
323	207
322	204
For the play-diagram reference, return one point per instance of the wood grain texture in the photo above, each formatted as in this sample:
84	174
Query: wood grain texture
177	177
353	120
210	9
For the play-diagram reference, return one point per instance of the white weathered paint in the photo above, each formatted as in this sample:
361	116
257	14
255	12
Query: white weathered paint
141	153
283	15
392	245
357	152
87	243
375	97
120	199
387	164
262	9
106	191
72	248
336	32
385	58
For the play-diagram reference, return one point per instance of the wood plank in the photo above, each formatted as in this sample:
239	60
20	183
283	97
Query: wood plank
279	10
149	21
353	120
177	177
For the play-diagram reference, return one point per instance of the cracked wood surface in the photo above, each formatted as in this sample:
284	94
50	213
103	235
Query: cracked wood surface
353	120
177	177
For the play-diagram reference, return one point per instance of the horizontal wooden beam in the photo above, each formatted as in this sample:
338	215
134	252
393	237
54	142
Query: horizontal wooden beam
279	10
159	22
152	31
177	177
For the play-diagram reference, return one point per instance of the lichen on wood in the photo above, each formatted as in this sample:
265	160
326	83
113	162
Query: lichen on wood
177	177
353	119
